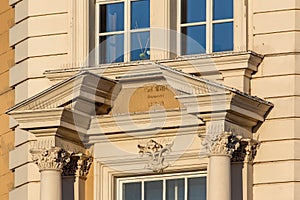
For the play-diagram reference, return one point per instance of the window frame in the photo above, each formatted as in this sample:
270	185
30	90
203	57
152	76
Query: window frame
121	180
127	32
239	27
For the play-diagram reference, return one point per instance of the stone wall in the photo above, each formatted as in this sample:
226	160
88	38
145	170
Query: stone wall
6	99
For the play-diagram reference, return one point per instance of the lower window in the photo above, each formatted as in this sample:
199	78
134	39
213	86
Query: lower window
181	186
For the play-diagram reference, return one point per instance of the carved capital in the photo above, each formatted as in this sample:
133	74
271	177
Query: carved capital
156	153
52	158
79	165
221	144
246	151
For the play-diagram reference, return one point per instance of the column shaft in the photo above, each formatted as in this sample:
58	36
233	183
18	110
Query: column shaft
219	178
51	185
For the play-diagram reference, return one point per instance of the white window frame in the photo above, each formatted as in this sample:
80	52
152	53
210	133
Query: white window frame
163	177
127	28
239	26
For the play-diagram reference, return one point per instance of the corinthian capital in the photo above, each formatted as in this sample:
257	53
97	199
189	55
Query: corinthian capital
79	165
220	144
51	158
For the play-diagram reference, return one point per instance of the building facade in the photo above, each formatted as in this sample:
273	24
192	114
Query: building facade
149	99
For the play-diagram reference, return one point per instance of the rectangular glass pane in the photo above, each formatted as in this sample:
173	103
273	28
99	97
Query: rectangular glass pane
222	9
193	11
111	17
153	190
140	14
111	49
223	37
175	189
140	46
197	188
132	191
193	40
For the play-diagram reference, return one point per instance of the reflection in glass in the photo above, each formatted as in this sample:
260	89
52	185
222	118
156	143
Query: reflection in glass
140	46
153	190
111	17
175	189
140	14
111	48
193	40
222	9
223	37
197	188
132	191
193	11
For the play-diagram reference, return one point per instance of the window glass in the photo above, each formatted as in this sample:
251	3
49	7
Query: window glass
193	40
223	37
132	191
197	188
153	190
193	11
222	9
111	17
112	48
140	42
175	189
140	14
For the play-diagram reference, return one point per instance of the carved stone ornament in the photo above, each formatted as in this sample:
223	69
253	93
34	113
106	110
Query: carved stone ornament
79	165
156	153
221	144
51	158
246	151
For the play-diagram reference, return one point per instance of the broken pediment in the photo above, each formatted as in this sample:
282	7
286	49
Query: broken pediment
66	109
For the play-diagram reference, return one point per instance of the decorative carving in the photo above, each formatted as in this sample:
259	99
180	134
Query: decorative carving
246	151
222	144
52	158
156	153
251	149
79	165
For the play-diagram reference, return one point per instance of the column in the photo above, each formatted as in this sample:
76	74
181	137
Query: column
50	162
74	176
220	148
250	152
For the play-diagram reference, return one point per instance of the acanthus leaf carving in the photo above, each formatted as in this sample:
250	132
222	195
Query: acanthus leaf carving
79	165
246	152
221	144
51	158
156	153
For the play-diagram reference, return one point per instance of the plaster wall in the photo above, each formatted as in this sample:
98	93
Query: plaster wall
276	36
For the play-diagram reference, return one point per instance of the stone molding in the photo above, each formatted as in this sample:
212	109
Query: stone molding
221	144
53	158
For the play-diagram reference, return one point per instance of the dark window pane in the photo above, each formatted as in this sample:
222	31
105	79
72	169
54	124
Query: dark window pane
111	48
175	189
197	188
132	191
140	14
223	37
193	11
222	9
140	46
111	17
153	190
193	40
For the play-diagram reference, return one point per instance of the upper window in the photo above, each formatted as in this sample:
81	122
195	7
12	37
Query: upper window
183	186
208	23
124	31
